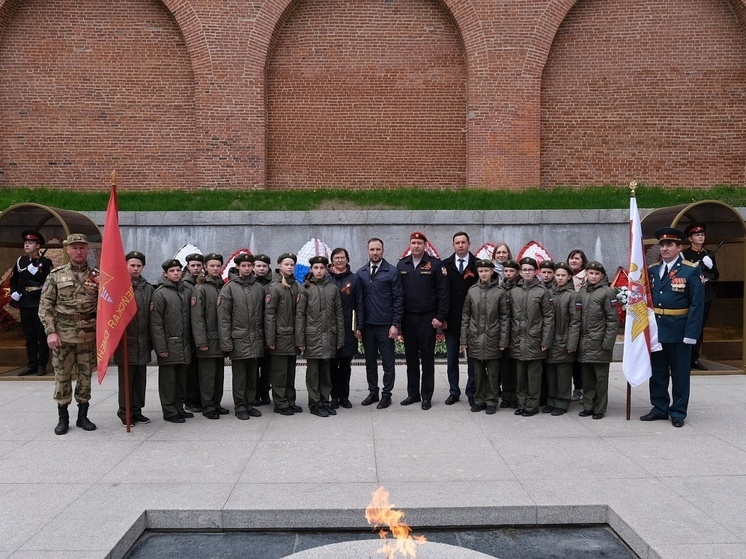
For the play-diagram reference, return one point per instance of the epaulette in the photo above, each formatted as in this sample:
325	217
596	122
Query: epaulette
57	269
689	263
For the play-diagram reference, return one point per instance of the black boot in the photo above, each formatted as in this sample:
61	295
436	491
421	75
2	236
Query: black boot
83	422
64	423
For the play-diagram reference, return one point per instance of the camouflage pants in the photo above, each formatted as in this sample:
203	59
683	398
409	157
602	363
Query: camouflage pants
73	362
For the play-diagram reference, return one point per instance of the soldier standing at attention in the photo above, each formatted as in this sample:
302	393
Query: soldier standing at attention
171	334
68	312
319	333
706	259
207	338
426	303
279	331
507	373
241	325
26	281
678	301
263	274
192	397
138	344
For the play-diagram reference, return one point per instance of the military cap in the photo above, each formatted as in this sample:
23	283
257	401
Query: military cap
318	260
594	265
669	234
135	254
419	236
547	264
171	263
195	256
484	263
32	235
244	257
696	227
285	255
73	238
563	266
214	256
528	261
511	264
262	258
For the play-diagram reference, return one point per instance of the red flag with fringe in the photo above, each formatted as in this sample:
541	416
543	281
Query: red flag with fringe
116	298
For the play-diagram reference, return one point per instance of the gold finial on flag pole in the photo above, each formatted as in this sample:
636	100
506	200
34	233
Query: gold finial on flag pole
632	186
114	177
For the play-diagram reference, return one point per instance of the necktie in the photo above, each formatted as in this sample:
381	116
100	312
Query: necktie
460	265
373	271
665	272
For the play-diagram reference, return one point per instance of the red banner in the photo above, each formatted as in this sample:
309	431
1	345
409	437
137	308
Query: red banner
116	299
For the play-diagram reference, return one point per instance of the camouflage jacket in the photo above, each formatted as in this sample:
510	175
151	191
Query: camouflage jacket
68	303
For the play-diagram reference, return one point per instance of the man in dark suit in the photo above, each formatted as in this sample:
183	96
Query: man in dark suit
462	274
678	301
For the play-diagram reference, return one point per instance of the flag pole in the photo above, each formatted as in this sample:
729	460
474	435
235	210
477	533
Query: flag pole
632	186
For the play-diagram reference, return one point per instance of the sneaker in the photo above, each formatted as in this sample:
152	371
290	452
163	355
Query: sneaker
577	395
124	421
140	418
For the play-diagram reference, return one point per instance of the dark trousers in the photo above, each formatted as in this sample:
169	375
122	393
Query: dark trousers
171	384
211	379
376	341
37	350
137	376
318	381
486	382
419	350
283	380
245	372
672	362
265	374
508	379
192	395
698	346
577	375
528	383
559	385
595	387
341	371
453	345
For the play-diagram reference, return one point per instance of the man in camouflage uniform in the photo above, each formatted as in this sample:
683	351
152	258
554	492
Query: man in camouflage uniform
68	313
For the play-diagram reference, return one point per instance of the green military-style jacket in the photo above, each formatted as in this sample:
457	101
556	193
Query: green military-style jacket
532	320
241	318
279	315
68	303
598	322
566	325
485	320
205	316
319	322
170	326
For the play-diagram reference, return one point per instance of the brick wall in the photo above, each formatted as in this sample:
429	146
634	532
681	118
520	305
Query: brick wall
362	93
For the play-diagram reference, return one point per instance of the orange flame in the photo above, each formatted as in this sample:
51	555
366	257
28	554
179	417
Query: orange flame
379	513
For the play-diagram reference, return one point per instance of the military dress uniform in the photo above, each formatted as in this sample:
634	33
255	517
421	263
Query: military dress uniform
68	308
26	281
678	301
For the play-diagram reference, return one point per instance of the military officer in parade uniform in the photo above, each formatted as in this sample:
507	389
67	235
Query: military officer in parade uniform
678	301
706	259
68	312
26	281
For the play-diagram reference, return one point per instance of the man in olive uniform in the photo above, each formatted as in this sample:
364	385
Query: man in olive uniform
263	274
68	312
28	277
192	397
708	268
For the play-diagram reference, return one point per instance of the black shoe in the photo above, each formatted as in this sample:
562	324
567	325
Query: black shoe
257	401
384	403
527	413
345	403
296	409
26	371
196	408
83	422
140	418
452	399
585	413
518	411
242	415
284	411
409	400
547	409
477	408
330	411
598	416
698	366
491	410
175	419
124	421
212	414
426	405
186	414
253	412
558	411
319	411
677	422
221	410
651	417
504	404
471	400
265	399
370	399
333	404
41	371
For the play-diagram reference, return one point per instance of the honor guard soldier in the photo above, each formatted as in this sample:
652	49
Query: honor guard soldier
241	326
678	302
68	312
28	277
426	303
139	345
192	397
706	259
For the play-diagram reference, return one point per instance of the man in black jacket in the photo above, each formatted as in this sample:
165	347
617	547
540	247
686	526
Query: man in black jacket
383	297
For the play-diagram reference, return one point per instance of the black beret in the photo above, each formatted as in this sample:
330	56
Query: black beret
511	264
262	258
214	256
171	263
593	265
285	255
563	266
244	257
195	256
528	261
32	235
547	264
484	263
138	255
318	260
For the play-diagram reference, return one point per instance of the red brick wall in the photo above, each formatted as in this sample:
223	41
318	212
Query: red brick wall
300	93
